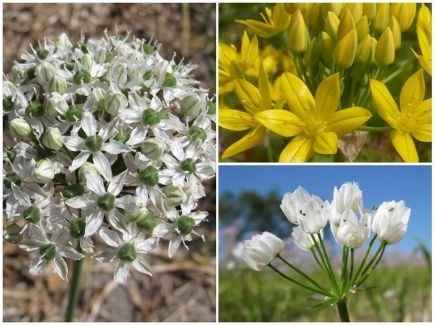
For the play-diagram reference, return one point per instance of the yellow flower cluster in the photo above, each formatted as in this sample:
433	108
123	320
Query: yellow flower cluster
312	74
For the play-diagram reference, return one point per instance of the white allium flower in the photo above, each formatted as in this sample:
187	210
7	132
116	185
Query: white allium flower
104	137
349	196
352	232
261	250
390	221
304	240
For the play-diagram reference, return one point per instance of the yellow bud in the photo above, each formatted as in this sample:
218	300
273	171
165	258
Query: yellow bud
298	33
373	46
395	29
364	51
356	10
382	18
404	13
369	9
362	28
345	51
293	7
335	7
385	49
331	24
315	18
327	46
346	24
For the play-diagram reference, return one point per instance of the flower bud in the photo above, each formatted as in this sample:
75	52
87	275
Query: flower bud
57	84
100	55
148	49
56	104
45	72
115	102
13	234
382	18
188	165
390	221
349	196
86	168
385	49
191	106
362	28
297	33
122	136
32	214
74	190
143	217
315	19
304	240
82	77
369	9
335	7
397	34
404	13
345	51
355	9
52	139
153	149
365	52
19	128
63	41
44	170
331	24
327	47
261	250
174	195
35	110
197	134
346	25
351	232
87	62
74	113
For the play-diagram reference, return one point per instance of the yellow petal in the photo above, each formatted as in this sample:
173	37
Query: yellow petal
249	96
300	149
404	145
423	133
249	51
236	120
344	121
384	102
264	88
261	29
252	139
297	94
327	97
326	143
424	32
282	122
412	93
424	112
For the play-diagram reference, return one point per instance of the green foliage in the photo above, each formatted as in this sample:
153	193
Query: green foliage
402	293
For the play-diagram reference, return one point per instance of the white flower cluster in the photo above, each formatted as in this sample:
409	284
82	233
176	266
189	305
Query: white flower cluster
350	223
104	138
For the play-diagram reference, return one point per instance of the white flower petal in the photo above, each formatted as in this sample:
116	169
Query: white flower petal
121	273
162	229
81	202
93	223
129	116
141	265
60	268
174	244
115	148
105	257
146	245
177	150
103	165
117	183
74	143
37	265
110	237
89	124
70	253
95	183
79	160
137	136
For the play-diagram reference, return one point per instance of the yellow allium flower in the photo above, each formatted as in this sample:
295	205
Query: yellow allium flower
315	122
414	119
254	100
275	21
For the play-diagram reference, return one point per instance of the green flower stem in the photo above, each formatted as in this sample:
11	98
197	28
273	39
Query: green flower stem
344	271
74	287
367	274
352	261
313	251
298	283
297	270
325	257
342	310
375	129
360	268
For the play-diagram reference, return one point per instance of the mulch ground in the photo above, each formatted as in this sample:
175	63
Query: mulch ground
182	289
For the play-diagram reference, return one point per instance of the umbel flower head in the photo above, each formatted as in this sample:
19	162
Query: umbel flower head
106	139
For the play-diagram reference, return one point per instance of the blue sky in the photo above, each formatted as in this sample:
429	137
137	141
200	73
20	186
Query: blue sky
379	183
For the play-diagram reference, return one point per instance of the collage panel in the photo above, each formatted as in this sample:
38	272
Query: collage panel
325	243
109	160
325	82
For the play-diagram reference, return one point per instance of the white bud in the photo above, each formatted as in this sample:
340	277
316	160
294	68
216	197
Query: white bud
174	195
19	128
63	41
86	168
56	104
261	250
44	170
390	221
52	139
45	73
57	84
191	106
118	73
115	102
153	149
87	62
